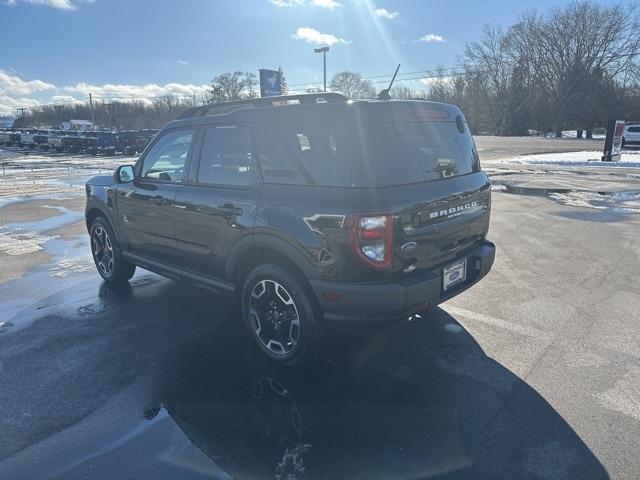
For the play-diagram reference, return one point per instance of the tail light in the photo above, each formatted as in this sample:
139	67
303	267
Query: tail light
372	239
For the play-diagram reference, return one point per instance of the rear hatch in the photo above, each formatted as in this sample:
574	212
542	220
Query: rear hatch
429	170
410	163
423	161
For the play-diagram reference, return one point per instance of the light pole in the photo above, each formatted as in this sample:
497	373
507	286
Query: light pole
324	51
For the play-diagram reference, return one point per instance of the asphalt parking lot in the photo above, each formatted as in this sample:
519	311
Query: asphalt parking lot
532	373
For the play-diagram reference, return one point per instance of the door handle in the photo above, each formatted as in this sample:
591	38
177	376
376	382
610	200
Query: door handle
228	210
159	200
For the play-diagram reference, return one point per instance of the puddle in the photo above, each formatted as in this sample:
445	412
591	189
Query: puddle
66	217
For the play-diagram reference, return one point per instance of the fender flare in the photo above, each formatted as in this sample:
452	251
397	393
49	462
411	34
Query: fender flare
96	204
261	240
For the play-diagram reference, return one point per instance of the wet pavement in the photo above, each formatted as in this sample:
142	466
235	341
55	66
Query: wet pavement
533	373
157	380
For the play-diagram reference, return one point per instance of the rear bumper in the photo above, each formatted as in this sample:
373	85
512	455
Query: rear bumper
393	301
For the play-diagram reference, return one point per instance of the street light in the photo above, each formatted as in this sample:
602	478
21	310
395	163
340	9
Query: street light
324	51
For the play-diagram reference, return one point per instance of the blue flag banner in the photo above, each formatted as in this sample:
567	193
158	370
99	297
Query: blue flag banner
270	85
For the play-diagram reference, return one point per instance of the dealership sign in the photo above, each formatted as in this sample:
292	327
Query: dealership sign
270	83
613	142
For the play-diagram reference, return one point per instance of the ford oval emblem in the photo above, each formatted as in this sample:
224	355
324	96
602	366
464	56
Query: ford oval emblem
408	247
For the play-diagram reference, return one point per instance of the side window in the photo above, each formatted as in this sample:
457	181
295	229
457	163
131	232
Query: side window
166	159
634	129
324	151
226	157
275	162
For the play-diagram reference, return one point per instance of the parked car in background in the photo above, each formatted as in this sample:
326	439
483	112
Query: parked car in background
631	135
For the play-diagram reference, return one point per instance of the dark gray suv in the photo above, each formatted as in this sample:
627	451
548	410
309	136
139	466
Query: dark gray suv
314	209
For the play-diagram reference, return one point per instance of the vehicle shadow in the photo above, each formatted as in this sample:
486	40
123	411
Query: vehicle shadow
419	400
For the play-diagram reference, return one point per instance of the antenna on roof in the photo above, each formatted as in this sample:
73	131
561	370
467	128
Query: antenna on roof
384	94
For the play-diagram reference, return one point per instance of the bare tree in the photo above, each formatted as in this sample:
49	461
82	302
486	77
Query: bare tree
233	86
488	63
577	53
407	93
352	85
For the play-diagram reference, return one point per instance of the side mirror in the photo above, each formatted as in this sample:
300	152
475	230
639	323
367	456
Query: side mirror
123	174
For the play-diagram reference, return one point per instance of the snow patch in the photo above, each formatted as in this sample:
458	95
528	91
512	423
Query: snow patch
617	202
629	159
17	242
71	265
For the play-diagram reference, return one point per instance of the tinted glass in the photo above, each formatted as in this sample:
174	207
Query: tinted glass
226	157
166	159
634	129
421	151
276	164
322	152
372	154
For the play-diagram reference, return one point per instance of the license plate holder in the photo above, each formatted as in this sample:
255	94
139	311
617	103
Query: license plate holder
454	274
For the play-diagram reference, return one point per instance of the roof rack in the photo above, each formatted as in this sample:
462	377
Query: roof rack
227	107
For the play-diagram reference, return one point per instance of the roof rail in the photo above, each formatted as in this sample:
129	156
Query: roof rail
227	107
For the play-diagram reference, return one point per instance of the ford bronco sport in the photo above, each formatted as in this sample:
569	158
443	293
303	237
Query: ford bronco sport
312	208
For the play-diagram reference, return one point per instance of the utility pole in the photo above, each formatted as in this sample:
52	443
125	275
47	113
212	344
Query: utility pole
93	120
21	110
324	51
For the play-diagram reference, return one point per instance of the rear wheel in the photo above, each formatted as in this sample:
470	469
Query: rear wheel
107	253
279	315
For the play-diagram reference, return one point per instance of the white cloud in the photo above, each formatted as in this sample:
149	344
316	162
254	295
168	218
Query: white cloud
330	4
431	37
311	35
64	99
59	4
383	12
15	92
183	62
9	105
14	85
286	3
137	91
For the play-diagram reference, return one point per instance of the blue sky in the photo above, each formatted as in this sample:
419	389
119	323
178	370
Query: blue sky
57	50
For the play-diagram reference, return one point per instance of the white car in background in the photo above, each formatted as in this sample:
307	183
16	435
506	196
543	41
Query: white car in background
631	135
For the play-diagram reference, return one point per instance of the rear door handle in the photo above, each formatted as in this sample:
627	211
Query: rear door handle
159	200
227	209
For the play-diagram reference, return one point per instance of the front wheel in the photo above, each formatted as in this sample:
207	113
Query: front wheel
107	253
279	315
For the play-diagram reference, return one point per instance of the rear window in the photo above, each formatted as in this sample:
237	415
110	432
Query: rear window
366	154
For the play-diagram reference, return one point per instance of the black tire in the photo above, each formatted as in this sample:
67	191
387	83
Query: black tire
107	253
298	344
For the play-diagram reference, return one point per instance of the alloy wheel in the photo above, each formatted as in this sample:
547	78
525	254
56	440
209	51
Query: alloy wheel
102	250
274	317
